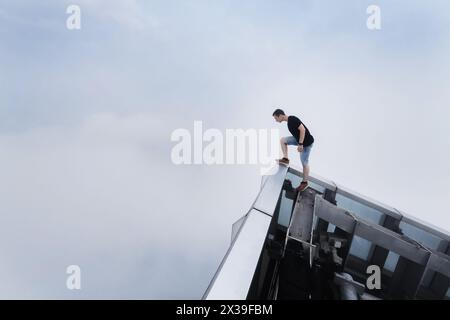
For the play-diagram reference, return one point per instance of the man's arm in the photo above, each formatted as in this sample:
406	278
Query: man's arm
302	130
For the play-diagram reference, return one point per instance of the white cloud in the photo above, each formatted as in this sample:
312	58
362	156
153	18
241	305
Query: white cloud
131	13
98	196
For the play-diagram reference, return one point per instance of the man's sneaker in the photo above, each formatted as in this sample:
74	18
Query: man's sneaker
303	186
283	161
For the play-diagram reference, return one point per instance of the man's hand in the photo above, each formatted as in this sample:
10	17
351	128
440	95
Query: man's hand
300	148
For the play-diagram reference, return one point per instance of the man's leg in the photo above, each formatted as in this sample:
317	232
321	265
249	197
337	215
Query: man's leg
284	147
305	172
285	142
304	157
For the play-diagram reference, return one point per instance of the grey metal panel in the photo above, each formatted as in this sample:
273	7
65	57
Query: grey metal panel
328	184
337	216
302	216
441	233
392	241
233	279
439	263
270	192
369	202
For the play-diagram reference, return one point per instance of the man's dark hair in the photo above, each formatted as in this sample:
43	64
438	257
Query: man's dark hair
278	112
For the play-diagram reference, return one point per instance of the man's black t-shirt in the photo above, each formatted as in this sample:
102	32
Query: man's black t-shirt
293	124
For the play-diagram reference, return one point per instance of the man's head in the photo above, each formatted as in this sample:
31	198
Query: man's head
279	115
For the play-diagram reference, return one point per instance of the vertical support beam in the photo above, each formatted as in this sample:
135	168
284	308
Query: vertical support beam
444	247
380	254
439	285
330	196
322	225
406	279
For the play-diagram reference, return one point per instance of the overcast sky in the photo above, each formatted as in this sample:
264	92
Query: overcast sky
86	117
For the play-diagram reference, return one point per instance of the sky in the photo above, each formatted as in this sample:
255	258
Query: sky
86	118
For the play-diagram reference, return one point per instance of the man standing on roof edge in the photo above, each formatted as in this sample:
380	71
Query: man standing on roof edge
301	137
